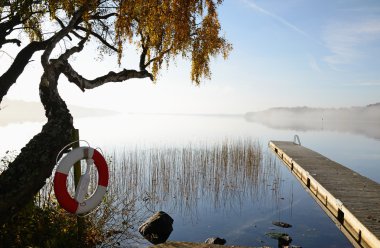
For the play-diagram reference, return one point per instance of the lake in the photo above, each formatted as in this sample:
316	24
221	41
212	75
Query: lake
241	212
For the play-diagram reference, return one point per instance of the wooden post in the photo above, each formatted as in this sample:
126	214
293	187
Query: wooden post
81	222
77	167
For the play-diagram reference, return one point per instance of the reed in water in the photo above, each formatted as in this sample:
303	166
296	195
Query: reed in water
177	179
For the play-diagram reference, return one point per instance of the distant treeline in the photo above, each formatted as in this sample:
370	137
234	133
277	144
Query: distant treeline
369	113
358	120
24	111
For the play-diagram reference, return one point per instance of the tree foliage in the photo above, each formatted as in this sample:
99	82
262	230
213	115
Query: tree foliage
160	30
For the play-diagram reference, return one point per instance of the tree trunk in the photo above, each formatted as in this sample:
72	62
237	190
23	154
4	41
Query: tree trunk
27	174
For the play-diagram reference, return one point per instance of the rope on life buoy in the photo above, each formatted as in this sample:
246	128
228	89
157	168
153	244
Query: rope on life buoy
78	205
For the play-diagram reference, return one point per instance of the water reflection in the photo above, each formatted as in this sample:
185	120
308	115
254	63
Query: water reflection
182	179
231	189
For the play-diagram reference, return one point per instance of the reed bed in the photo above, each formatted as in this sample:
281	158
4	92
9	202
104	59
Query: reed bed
183	180
221	175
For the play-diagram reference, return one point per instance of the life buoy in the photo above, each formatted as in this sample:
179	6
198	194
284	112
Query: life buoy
60	180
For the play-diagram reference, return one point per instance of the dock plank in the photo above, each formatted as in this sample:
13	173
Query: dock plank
350	196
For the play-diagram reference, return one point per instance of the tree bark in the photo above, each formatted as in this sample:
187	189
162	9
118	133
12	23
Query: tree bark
27	174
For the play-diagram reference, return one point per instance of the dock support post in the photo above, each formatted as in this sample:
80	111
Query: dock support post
81	222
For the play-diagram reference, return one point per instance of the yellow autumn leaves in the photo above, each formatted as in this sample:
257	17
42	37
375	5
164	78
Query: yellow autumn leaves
160	29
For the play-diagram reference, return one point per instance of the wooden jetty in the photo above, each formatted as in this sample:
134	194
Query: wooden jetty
352	201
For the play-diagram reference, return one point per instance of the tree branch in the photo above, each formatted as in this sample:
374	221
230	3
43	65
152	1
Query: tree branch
77	35
99	17
7	27
22	59
100	38
16	41
142	57
66	55
60	22
58	36
144	46
13	21
5	17
84	83
158	57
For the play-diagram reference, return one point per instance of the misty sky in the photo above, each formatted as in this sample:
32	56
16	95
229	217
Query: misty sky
319	53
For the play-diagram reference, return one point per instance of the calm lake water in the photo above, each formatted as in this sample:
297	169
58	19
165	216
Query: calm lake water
243	212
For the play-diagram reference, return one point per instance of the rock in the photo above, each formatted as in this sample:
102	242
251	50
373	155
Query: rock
157	228
284	239
281	224
215	240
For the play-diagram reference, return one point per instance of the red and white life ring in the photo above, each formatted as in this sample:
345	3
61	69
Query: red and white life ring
60	180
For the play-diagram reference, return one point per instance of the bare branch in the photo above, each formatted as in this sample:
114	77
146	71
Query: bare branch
77	35
6	53
13	21
158	57
58	36
84	83
60	22
100	38
65	56
16	41
7	27
22	59
5	17
99	17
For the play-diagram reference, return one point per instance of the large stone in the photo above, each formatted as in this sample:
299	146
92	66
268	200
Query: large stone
284	241
157	228
281	224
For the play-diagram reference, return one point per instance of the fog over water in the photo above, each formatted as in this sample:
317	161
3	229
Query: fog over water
349	136
16	111
357	120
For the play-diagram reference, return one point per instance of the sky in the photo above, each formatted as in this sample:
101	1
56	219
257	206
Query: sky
317	53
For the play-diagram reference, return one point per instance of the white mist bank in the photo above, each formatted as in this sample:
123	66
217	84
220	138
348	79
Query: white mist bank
362	120
369	113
